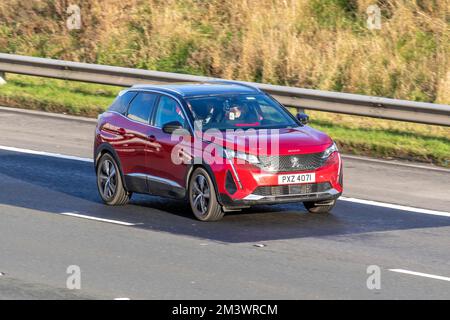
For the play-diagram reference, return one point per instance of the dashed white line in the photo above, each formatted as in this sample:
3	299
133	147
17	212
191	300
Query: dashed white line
77	215
46	154
420	274
396	206
361	201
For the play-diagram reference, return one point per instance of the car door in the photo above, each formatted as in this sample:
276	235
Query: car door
169	176
136	130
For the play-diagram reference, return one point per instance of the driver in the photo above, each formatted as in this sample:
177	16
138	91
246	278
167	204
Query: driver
236	112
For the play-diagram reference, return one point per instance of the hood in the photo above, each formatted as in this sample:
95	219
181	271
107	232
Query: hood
263	142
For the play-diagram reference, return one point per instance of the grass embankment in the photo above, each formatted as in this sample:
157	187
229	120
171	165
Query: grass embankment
356	135
59	96
317	44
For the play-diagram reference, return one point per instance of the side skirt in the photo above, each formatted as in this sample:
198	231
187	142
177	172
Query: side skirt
147	184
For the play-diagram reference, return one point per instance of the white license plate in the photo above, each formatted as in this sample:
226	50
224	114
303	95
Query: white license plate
297	178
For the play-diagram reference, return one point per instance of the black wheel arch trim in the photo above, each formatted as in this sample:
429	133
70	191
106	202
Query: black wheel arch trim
106	147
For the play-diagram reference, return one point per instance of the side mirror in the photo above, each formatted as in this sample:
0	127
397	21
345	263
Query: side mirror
170	127
303	118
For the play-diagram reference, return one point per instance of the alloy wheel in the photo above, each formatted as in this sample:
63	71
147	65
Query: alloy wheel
201	194
108	179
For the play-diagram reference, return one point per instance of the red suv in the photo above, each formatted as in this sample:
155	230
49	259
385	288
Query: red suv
222	146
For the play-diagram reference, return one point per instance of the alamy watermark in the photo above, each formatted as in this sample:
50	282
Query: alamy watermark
73	281
373	17
190	150
373	282
73	22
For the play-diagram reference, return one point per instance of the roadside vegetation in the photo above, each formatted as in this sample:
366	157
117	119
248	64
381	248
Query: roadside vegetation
355	135
75	98
317	44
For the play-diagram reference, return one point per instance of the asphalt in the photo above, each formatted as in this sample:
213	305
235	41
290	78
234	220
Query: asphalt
267	252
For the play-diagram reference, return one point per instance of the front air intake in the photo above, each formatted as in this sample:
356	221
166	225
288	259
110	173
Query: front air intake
230	186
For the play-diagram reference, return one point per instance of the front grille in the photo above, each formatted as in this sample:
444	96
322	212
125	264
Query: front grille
291	189
298	162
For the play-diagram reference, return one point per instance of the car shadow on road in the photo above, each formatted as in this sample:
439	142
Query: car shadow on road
50	185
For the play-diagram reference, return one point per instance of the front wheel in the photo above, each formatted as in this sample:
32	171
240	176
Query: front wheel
202	197
109	182
320	206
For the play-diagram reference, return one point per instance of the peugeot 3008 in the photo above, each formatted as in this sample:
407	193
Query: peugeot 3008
222	146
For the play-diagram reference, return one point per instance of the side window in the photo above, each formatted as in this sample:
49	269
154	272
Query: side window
141	107
168	110
271	114
121	103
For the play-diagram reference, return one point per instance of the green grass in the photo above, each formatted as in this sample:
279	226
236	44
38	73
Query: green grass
355	135
389	143
56	95
315	44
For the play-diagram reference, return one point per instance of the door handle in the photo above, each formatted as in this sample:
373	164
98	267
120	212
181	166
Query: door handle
121	131
151	138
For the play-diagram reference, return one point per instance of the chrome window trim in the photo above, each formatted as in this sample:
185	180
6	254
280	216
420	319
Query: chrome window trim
161	93
135	121
233	168
171	96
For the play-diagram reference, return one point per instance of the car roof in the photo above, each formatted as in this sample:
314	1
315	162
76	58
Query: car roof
201	89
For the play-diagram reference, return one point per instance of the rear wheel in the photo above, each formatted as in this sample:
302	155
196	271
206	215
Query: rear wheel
109	182
202	197
320	206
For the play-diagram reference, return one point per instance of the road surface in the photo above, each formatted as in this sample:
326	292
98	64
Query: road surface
52	218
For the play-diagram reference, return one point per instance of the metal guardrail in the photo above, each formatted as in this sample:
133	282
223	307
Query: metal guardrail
354	104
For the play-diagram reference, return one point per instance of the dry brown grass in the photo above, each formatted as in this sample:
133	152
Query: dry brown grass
307	43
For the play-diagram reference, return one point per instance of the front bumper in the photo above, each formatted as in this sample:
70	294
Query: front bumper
252	200
250	180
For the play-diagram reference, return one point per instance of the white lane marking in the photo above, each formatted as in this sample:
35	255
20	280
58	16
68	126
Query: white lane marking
396	206
420	274
395	163
122	299
345	156
76	215
367	202
46	154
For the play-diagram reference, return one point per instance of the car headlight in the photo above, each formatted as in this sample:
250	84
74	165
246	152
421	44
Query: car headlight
230	154
329	151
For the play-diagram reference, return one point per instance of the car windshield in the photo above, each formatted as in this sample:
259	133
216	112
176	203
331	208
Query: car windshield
239	111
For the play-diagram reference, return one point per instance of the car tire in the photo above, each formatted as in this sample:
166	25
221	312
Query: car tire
203	198
109	182
320	207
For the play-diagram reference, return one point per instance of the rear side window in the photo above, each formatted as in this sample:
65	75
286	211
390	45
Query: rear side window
141	107
121	103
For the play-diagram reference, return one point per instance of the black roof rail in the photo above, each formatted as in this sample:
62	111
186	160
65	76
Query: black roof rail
160	87
219	81
212	81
